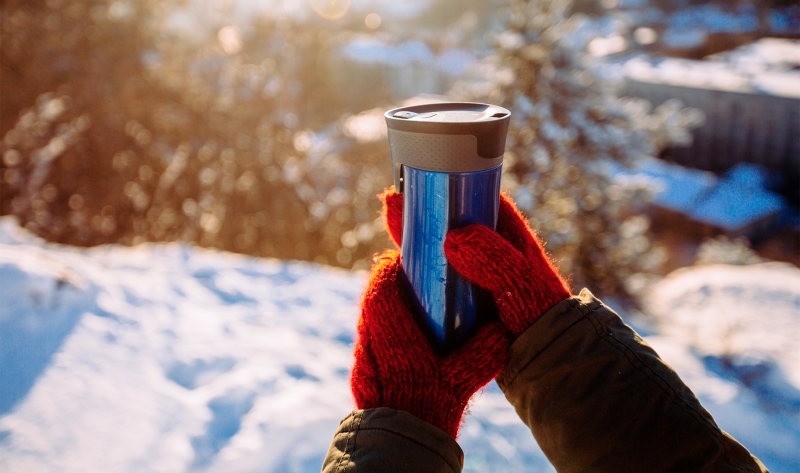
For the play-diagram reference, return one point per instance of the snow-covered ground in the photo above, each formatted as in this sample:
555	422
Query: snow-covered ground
172	358
731	333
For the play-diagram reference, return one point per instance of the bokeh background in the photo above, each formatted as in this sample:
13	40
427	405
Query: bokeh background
646	136
255	127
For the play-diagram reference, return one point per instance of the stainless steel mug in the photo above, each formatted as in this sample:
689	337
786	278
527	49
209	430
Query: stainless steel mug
446	160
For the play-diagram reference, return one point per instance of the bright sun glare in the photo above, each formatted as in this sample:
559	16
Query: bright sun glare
330	9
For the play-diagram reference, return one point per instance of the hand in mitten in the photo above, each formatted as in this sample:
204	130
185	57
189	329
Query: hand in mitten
396	367
510	263
393	214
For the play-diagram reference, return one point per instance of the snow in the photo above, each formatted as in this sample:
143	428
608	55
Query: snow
408	67
733	205
768	66
674	187
159	355
369	50
407	54
731	332
684	37
712	75
173	358
766	54
734	202
689	27
715	19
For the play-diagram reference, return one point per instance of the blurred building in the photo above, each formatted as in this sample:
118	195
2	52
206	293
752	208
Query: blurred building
750	97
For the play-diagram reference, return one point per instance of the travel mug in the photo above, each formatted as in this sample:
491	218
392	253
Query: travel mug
446	160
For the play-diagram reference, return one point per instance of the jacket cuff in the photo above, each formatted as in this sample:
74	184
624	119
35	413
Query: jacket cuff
391	440
540	335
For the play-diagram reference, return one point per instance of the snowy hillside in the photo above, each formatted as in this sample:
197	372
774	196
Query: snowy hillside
171	358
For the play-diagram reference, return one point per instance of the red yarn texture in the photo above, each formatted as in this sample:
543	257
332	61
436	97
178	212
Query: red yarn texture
393	214
396	367
511	262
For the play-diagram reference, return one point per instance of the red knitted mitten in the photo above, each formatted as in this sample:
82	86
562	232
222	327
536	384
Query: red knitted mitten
510	263
395	367
393	214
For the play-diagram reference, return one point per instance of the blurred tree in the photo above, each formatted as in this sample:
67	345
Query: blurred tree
568	127
115	129
64	67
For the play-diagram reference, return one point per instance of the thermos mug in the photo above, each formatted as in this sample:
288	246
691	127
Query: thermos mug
446	160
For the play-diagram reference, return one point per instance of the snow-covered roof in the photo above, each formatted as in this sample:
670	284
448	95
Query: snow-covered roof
768	66
733	205
676	188
766	54
733	202
712	75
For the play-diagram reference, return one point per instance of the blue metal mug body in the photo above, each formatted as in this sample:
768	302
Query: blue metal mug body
446	160
435	202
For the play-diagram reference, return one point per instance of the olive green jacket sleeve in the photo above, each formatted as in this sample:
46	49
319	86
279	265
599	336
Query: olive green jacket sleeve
391	441
598	399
